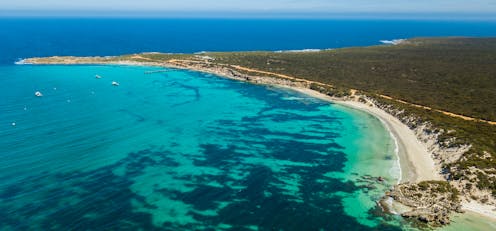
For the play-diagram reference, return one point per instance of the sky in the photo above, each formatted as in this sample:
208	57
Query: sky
260	7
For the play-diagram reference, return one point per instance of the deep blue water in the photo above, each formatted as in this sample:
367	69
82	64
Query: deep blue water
21	38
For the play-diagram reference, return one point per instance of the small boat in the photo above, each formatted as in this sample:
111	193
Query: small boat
38	94
115	83
98	77
14	124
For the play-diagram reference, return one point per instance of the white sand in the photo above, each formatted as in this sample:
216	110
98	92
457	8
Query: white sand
485	210
415	161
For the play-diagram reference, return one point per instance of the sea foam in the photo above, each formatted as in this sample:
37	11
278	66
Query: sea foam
393	42
20	62
395	171
302	50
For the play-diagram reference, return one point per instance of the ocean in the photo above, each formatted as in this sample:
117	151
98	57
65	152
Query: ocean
183	150
22	38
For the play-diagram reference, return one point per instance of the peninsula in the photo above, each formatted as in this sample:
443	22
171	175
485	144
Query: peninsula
436	95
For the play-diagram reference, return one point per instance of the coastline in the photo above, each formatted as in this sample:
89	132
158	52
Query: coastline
416	162
414	167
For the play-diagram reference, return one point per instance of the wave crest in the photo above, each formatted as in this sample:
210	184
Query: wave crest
393	42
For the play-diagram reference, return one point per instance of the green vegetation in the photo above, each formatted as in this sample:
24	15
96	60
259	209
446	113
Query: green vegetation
157	56
456	75
330	91
442	187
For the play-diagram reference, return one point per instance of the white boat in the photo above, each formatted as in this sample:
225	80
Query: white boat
115	83
38	94
98	77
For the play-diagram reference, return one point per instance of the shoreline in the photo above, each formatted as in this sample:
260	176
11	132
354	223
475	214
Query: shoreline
415	160
416	167
481	209
413	167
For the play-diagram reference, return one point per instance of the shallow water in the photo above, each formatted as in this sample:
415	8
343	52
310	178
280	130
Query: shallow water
183	150
470	221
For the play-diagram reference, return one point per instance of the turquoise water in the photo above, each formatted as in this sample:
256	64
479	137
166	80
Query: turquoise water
180	150
470	221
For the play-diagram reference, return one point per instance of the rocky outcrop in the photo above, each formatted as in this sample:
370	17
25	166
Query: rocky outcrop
431	202
231	73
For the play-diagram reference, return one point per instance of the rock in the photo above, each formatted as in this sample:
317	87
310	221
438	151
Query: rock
432	202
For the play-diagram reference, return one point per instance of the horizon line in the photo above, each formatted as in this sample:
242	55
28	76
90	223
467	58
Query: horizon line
246	15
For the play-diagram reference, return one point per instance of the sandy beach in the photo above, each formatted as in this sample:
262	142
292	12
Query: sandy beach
415	161
485	210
